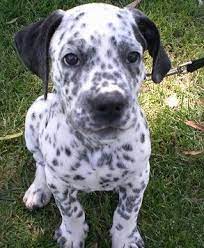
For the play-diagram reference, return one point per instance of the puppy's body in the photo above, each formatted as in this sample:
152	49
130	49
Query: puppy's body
73	159
68	162
90	134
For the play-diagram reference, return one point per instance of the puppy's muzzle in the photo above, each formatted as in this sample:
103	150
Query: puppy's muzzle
107	108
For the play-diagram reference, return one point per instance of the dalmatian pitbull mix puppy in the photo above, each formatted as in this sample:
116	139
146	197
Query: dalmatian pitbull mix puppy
90	134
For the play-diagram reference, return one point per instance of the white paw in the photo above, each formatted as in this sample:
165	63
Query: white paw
128	244
136	240
36	196
65	239
127	241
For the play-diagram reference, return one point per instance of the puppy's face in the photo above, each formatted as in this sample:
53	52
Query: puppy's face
97	67
96	63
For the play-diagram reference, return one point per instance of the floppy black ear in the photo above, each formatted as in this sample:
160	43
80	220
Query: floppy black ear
151	36
32	44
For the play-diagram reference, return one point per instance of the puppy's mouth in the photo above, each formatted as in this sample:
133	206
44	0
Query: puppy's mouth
103	131
106	131
105	135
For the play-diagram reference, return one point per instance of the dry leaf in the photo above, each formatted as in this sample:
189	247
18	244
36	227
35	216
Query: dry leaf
193	153
193	124
200	101
11	136
12	21
134	4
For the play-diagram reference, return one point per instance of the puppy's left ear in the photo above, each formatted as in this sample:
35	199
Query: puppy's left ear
32	44
150	37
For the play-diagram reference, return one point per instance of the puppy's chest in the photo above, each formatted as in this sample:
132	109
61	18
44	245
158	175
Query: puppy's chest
92	171
69	161
101	171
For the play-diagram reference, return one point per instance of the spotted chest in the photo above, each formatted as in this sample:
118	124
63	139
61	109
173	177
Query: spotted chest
106	172
69	158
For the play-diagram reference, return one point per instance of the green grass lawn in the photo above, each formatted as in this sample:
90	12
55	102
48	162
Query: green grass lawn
172	214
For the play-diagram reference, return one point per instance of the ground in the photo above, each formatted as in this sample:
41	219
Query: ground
172	214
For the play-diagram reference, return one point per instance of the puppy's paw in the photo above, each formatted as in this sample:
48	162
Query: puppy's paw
127	241
65	239
136	240
36	197
137	244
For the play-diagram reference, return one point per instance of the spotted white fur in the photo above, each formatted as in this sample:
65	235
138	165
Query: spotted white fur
74	150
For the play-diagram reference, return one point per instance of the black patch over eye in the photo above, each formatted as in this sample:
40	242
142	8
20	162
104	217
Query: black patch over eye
132	57
71	59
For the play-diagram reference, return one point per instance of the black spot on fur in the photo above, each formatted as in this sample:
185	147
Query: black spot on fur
119	227
79	214
72	26
137	127
83	156
137	191
78	177
120	165
142	138
79	16
109	175
110	67
123	214
83	25
129	185
65	193
75	166
52	186
128	158
61	36
76	34
124	173
127	147
32	128
143	185
119	16
46	123
115	179
116	74
103	66
109	53
33	116
113	41
58	152
67	151
55	162
104	180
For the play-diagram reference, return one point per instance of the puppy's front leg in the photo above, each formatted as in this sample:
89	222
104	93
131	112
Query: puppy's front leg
124	230
73	229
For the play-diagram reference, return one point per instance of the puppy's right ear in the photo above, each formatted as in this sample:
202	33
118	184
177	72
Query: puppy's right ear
32	44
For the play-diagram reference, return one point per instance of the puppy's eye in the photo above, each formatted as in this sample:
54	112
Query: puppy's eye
132	57
71	59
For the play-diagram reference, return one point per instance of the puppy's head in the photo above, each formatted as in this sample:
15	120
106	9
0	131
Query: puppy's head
94	56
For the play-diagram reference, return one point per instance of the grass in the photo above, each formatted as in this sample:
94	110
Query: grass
172	214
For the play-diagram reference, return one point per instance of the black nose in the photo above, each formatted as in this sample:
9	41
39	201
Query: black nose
108	106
